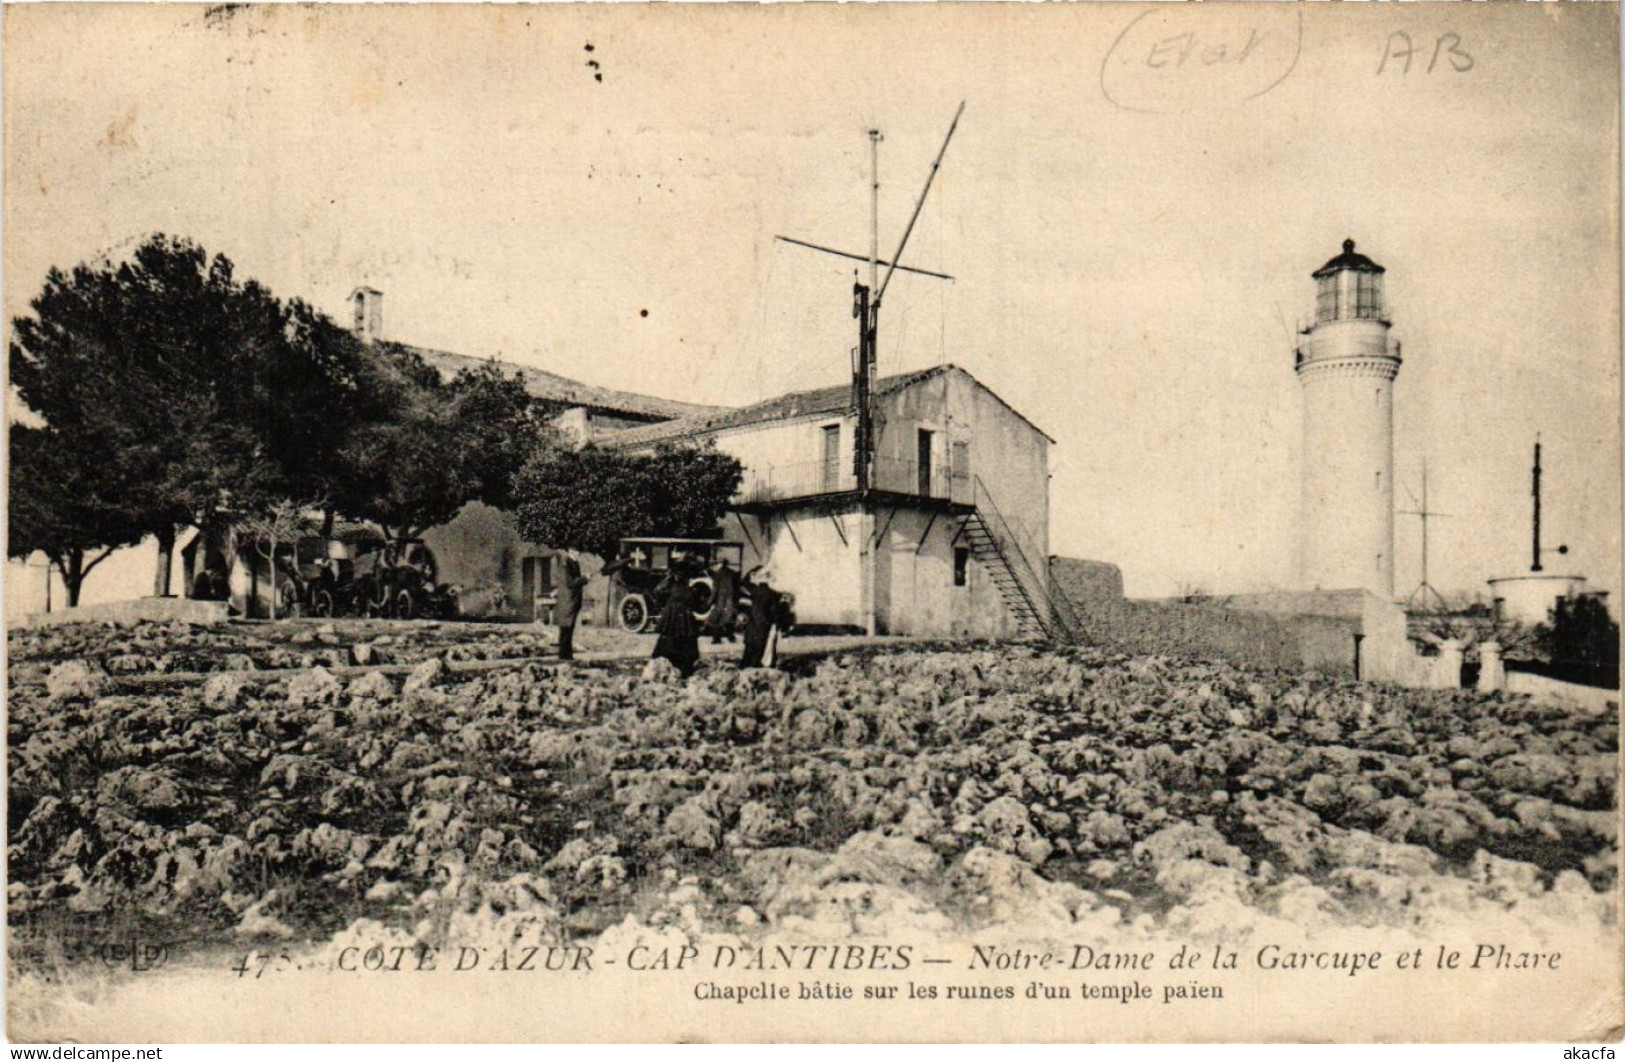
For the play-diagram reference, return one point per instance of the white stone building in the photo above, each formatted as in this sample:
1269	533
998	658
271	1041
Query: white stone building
951	540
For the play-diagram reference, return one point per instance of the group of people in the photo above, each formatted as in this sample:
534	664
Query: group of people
679	630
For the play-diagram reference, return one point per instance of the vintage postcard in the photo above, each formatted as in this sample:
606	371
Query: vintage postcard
812	522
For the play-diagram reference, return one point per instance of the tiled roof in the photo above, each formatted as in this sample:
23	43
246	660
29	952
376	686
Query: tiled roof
793	406
552	387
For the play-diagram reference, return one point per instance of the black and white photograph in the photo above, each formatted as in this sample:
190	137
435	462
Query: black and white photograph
812	523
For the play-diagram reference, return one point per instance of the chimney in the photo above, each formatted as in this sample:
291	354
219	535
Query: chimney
368	306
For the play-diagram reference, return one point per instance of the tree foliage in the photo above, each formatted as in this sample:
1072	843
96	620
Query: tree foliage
433	447
66	501
208	390
1581	635
173	394
590	499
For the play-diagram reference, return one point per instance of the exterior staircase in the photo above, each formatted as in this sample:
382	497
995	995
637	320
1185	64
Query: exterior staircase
1040	608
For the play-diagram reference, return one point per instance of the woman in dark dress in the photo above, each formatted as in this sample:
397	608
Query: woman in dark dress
724	602
763	617
679	639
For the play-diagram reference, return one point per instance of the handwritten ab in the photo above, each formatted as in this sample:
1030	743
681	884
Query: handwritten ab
1400	47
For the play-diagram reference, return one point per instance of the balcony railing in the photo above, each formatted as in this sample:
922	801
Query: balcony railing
809	479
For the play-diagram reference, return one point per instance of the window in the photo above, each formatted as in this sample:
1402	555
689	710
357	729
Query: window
832	458
1368	296
535	583
1326	298
961	460
924	465
961	566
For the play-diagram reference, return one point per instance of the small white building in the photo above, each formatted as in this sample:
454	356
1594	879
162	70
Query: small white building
951	539
1531	597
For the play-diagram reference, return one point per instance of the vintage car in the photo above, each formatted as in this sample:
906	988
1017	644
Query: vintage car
359	573
636	574
401	580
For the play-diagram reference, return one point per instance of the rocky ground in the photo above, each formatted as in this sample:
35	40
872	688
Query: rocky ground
1073	793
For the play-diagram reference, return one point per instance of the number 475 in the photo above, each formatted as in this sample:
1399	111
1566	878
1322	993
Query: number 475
255	963
1401	48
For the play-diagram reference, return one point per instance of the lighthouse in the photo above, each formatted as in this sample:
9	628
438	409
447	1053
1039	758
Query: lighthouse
1347	361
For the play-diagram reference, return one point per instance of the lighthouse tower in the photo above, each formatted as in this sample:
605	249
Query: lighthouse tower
1347	363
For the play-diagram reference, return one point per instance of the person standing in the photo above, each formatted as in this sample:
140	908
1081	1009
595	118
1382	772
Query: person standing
567	601
724	602
679	639
761	624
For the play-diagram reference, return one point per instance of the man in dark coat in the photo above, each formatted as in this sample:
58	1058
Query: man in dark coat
724	602
567	601
761	625
679	639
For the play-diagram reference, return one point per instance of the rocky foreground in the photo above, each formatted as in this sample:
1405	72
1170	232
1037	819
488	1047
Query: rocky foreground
1077	795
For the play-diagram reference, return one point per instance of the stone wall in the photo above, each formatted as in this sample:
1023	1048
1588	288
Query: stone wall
1087	584
1541	688
1260	631
1211	631
135	610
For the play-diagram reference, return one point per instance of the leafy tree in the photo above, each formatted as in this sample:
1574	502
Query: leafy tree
331	376
590	499
210	391
499	427
1581	635
66	502
433	447
279	524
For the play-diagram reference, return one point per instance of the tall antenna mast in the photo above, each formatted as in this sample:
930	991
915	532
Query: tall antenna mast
874	207
1536	551
936	165
866	308
866	298
1419	596
1535	490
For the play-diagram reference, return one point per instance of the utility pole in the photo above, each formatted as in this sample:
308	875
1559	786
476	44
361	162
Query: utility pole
865	307
863	396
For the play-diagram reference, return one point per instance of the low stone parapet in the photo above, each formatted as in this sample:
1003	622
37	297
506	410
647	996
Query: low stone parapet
136	610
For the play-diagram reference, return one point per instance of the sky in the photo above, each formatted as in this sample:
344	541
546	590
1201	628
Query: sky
1130	208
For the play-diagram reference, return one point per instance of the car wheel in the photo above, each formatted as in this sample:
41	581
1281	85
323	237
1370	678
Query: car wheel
702	593
634	613
321	603
406	605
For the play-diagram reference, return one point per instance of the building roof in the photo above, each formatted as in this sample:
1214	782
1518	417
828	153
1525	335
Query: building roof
824	401
553	387
1349	259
